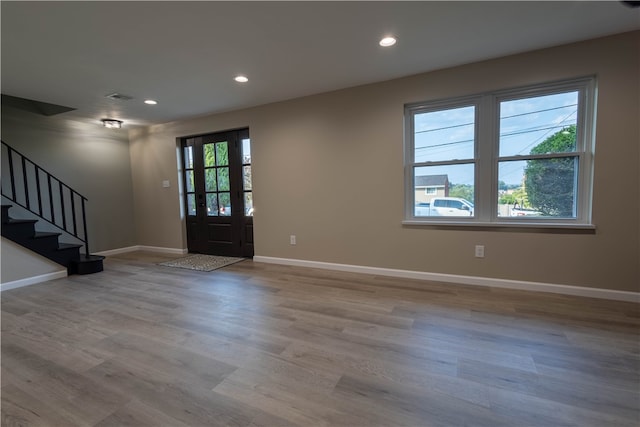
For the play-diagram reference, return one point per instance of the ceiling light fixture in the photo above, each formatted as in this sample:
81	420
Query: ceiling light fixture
241	79
388	41
111	123
150	102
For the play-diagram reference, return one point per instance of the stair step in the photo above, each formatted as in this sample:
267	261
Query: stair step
68	246
44	235
18	228
5	212
44	241
21	221
86	264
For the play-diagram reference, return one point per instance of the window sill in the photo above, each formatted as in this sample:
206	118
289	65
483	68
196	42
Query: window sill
536	227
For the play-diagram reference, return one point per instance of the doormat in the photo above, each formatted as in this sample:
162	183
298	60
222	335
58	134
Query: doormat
202	262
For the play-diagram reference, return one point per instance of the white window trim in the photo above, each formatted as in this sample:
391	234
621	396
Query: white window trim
486	157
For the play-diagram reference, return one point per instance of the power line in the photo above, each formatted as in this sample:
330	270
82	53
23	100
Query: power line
501	118
538	111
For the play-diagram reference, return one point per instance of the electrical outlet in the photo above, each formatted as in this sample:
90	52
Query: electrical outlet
479	251
292	239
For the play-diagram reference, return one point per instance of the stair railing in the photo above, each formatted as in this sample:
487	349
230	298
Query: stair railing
44	195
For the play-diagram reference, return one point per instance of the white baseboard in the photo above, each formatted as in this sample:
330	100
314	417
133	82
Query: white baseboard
175	251
464	280
117	251
32	280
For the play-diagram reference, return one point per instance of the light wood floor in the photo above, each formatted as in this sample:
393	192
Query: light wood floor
265	345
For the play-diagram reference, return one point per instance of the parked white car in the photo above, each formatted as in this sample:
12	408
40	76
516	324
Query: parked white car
445	206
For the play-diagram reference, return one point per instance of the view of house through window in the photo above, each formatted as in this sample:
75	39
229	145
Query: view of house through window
444	147
527	159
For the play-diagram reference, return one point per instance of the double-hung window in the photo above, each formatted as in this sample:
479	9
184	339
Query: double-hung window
519	157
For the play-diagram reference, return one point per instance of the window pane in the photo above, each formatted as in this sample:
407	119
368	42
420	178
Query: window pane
224	203
450	188
223	179
222	154
551	186
512	195
248	203
246	151
246	177
191	204
210	180
444	135
539	125
189	178
209	155
188	157
212	204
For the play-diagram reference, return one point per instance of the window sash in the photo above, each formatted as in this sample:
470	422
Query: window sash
487	148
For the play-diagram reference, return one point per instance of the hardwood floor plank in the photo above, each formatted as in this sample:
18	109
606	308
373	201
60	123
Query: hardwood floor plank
138	414
173	360
417	406
23	409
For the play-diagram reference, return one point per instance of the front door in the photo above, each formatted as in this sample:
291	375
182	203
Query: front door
218	194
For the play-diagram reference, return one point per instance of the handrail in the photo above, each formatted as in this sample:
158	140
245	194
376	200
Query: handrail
59	199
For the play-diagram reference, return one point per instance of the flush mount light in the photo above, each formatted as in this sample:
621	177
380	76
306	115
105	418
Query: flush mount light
150	102
241	79
388	41
112	123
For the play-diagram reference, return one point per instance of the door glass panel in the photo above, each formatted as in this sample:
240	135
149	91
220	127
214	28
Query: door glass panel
224	203
188	157
222	154
191	204
210	180
209	155
212	204
246	151
246	177
248	203
189	179
223	179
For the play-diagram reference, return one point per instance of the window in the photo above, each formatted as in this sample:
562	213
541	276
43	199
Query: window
513	157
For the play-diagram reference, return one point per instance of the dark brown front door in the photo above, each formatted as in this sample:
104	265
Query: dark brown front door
218	193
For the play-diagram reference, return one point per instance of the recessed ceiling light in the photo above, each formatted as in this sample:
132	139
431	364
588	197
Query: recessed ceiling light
388	41
241	79
150	102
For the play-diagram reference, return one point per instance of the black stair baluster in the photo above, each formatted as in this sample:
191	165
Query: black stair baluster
53	214
38	189
73	213
26	183
64	215
12	173
84	223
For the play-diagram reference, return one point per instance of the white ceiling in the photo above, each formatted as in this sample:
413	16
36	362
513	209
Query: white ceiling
185	54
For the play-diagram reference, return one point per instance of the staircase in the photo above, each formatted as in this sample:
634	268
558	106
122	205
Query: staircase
30	188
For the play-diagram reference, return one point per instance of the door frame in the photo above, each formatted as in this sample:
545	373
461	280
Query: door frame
241	224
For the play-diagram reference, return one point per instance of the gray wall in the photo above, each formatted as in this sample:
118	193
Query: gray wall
329	168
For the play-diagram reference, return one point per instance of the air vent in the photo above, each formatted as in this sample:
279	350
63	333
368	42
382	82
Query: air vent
119	97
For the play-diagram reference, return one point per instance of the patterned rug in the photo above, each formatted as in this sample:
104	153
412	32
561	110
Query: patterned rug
202	262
